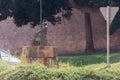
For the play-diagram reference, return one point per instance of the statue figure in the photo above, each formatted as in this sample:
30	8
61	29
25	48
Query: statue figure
40	38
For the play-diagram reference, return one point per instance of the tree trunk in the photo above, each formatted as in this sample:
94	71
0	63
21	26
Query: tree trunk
89	35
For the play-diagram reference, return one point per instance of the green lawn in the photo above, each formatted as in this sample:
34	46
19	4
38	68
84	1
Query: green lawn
82	60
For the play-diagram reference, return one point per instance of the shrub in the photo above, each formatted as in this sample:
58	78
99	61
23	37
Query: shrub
36	71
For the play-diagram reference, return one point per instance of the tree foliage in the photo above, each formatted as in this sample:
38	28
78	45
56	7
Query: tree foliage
98	3
28	11
6	9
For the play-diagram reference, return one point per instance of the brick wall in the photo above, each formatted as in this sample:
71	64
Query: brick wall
69	36
13	38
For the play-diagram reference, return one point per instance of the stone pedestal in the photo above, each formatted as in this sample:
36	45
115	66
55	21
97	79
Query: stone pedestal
47	55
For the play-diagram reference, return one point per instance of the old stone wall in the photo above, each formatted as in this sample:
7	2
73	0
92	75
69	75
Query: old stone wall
69	36
13	38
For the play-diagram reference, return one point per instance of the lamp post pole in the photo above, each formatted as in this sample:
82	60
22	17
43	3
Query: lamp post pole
40	14
40	21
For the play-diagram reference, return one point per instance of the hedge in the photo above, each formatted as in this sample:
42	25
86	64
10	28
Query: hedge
36	71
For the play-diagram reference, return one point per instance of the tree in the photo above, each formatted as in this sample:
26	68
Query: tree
89	36
6	9
28	11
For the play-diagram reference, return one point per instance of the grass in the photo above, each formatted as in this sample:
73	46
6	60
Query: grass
83	60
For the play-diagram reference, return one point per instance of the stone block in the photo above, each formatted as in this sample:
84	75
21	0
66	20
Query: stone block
45	54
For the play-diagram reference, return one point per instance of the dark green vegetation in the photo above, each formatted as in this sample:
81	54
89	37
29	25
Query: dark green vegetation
6	9
28	11
36	71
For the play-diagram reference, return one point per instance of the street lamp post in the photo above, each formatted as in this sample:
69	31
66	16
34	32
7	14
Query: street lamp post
40	14
40	19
